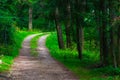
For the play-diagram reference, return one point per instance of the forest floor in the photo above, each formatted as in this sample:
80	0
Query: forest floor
43	67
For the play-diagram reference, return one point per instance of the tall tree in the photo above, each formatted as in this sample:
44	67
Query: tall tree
112	34
30	16
79	19
68	24
59	30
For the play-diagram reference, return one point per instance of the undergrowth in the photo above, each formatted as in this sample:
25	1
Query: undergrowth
8	53
82	68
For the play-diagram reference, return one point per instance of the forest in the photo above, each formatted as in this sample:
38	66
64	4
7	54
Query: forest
83	35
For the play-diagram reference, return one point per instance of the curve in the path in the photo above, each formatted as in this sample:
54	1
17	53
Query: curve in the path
44	67
51	69
26	45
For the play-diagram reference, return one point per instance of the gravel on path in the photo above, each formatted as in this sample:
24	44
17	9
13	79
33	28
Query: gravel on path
44	67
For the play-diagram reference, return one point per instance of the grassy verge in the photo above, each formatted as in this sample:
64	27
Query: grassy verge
19	37
82	68
7	61
34	45
13	50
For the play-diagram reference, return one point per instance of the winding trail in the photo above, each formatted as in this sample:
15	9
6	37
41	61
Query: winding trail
44	67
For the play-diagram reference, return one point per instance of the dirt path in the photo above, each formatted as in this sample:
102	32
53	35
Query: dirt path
44	67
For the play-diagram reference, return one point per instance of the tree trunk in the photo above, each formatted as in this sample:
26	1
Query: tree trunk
112	48
79	28
113	55
68	25
118	45
103	37
59	30
79	35
101	45
98	22
118	36
30	17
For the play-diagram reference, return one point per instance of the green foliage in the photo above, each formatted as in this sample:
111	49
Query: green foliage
7	61
94	15
109	70
82	68
19	37
6	26
12	50
6	29
6	37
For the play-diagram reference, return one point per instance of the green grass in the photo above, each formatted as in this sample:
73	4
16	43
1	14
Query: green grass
19	37
82	68
13	50
7	61
34	45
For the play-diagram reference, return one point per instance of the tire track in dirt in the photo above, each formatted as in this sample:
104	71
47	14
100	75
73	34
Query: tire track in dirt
44	67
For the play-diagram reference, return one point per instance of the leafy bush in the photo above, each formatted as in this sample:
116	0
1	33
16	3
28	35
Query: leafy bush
109	70
82	68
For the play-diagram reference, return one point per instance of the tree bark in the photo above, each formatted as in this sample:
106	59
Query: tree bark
119	46
30	17
118	36
79	28
68	25
113	55
59	30
98	21
79	35
103	37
